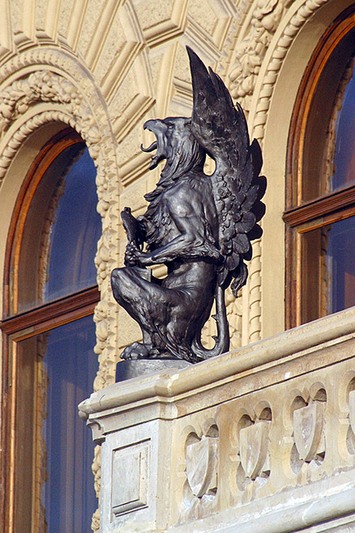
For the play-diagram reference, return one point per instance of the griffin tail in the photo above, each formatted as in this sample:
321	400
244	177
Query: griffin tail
222	337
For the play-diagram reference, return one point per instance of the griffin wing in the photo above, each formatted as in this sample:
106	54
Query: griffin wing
221	129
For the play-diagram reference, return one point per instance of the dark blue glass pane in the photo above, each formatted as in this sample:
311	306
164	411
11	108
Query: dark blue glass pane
76	227
328	269
344	157
341	264
70	365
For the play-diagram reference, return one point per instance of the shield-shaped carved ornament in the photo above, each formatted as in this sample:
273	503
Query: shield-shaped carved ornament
308	429
201	465
254	448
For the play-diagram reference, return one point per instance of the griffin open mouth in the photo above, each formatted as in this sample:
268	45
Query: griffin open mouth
155	127
155	158
150	148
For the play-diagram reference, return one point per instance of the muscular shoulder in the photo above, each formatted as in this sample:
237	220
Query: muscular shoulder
184	197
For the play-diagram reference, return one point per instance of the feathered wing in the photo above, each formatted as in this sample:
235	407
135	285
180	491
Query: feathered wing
220	127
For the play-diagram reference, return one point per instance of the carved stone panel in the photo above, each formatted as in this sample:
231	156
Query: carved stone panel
201	465
254	448
308	430
129	478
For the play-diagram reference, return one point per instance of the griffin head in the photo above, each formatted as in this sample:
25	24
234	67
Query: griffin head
176	144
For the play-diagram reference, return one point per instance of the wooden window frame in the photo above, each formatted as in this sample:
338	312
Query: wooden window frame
302	216
16	327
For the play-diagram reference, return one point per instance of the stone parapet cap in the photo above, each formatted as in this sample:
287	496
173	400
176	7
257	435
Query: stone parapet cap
264	363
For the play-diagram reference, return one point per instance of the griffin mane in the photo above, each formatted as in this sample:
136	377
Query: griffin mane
185	155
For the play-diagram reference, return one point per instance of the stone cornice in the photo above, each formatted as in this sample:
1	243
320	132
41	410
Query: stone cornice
293	346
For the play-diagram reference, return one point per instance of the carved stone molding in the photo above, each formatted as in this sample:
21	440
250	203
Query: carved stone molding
291	25
251	49
41	86
55	88
254	65
130	477
47	85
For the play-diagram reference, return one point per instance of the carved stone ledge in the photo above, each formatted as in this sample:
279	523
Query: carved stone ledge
290	346
323	506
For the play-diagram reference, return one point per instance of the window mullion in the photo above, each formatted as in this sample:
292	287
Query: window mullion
330	204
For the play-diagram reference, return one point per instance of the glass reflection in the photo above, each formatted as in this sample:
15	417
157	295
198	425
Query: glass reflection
58	445
75	231
341	265
328	269
344	153
61	232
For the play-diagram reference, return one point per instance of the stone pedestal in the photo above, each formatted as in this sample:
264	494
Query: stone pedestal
143	367
132	420
257	440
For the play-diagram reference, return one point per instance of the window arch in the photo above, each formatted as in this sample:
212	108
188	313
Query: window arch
49	338
320	199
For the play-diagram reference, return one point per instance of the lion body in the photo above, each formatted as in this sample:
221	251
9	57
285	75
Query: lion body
173	310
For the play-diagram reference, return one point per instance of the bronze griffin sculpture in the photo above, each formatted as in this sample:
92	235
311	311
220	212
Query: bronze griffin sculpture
200	226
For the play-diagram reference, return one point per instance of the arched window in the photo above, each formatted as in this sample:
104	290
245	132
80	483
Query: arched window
49	336
321	185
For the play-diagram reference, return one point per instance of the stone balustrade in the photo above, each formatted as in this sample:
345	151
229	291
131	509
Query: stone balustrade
261	439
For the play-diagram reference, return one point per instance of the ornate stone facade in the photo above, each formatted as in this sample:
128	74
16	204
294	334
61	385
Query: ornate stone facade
102	68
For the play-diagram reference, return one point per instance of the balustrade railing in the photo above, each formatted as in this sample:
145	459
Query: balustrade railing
260	439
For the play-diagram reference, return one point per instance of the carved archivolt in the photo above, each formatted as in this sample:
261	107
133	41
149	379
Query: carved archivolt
289	27
41	86
251	49
45	93
254	67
